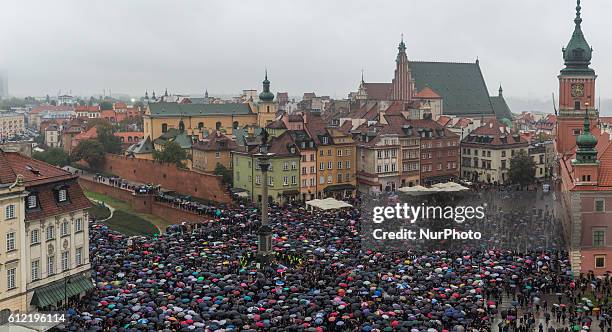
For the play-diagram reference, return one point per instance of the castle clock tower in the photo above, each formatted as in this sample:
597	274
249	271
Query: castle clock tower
576	90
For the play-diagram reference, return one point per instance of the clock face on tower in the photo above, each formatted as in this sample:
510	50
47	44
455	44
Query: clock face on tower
577	90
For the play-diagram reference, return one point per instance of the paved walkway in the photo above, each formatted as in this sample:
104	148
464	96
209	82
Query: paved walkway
540	318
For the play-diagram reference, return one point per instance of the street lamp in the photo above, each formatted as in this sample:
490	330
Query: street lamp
66	282
264	233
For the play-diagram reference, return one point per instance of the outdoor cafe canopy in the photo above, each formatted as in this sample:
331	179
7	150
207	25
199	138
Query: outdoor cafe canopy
327	204
438	187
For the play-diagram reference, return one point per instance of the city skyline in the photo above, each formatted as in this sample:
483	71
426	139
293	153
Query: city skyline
125	51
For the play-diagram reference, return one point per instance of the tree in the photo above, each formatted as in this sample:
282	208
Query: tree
53	156
171	152
220	169
111	143
106	105
522	169
92	151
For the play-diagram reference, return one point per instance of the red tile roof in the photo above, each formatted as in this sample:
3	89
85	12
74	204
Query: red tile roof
427	93
498	134
7	175
216	141
378	91
42	178
445	120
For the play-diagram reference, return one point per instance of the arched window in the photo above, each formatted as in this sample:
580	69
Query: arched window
235	125
181	126
200	125
218	125
164	127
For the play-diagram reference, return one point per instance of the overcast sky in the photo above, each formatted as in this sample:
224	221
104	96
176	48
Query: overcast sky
130	46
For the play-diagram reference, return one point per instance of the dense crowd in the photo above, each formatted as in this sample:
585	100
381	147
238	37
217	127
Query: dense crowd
206	278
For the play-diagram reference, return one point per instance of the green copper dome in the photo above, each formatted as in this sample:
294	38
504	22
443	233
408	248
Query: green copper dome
577	54
586	142
266	95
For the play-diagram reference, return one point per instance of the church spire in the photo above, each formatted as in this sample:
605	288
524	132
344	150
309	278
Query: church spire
266	95
577	54
500	92
402	84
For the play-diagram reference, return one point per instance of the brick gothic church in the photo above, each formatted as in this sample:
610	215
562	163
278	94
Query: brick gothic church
585	161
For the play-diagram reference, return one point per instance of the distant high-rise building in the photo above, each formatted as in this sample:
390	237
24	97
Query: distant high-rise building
3	84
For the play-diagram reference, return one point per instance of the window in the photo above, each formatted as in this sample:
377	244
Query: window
348	177
312	169
599	237
271	181
347	152
325	140
339	152
503	164
393	167
312	157
347	164
339	165
386	168
32	202
503	153
258	179
34	236
62	195
293	180
10	241
600	261
9	211
321	166
217	154
379	169
285	180
321	152
312	182
293	165
78	225
78	256
304	183
439	167
303	170
286	166
35	270
65	261
393	153
51	265
600	205
386	153
50	233
330	165
576	132
218	125
10	278
321	180
576	104
339	177
164	127
379	154
65	228
330	179
329	152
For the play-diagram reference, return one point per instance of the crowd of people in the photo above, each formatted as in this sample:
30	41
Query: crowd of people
320	278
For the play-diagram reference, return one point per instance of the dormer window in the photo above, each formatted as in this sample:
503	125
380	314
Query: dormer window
32	202
62	195
325	140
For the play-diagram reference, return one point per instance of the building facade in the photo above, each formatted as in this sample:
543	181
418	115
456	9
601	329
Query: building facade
46	236
283	174
439	152
11	123
216	149
487	150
